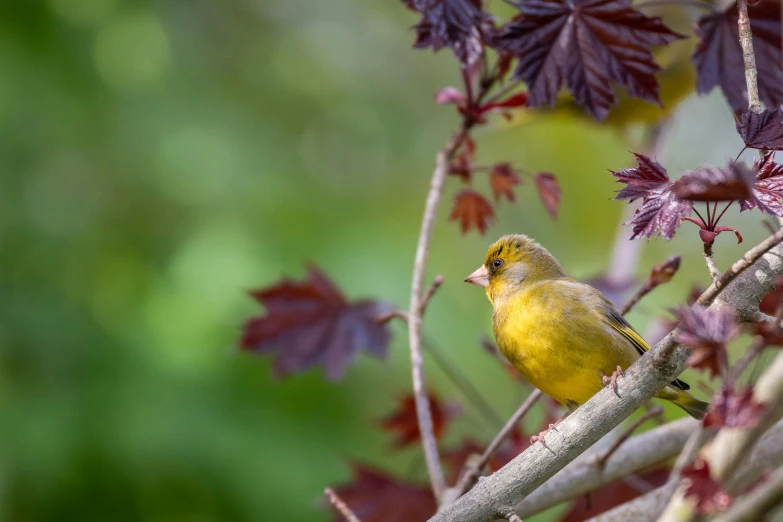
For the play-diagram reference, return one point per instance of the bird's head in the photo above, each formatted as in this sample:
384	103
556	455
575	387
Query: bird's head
512	262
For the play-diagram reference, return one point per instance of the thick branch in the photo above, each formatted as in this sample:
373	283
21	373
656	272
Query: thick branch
767	455
748	57
496	493
586	474
423	413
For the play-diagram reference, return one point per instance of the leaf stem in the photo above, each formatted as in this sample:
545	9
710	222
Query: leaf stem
723	211
748	57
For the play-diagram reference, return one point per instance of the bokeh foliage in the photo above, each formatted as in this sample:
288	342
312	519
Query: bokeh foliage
160	158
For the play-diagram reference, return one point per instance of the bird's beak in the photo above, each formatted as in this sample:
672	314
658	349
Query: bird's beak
479	277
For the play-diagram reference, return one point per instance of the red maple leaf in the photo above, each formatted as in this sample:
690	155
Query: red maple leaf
472	210
661	209
709	495
734	408
375	496
312	323
549	192
767	188
450	23
503	179
763	130
707	332
612	495
708	183
404	423
586	45
718	56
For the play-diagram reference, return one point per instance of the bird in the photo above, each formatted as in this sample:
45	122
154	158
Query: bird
564	336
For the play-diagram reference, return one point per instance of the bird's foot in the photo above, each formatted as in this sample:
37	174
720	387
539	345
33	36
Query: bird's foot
612	381
541	436
552	427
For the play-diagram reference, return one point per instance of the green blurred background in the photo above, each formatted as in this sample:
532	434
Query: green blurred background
161	158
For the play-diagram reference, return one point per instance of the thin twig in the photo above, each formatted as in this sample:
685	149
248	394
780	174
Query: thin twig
396	314
750	257
423	413
430	292
660	274
472	470
710	260
748	57
341	506
657	411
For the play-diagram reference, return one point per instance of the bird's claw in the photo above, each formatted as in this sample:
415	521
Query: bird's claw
612	381
540	438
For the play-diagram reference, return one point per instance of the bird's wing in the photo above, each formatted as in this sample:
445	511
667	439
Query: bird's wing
618	322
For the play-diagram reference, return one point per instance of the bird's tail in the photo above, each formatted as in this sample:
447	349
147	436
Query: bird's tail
693	406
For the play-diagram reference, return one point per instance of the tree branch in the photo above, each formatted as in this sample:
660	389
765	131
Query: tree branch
585	474
659	366
768	454
748	57
423	413
472	470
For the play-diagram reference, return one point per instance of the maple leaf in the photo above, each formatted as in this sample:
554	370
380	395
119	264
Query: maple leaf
707	332
451	23
767	188
586	45
502	179
375	496
472	210
708	183
733	408
615	493
718	56
661	209
762	130
710	496
405	424
312	323
549	192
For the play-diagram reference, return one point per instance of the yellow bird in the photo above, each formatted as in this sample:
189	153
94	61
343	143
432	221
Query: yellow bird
563	336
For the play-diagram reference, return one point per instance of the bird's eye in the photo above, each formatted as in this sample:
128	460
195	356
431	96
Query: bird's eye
497	263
